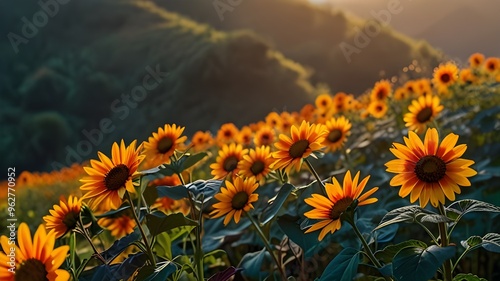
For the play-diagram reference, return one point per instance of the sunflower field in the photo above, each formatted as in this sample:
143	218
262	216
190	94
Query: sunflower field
397	183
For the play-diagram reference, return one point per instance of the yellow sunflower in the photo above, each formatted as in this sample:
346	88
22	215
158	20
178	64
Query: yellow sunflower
226	134
467	76
445	75
492	65
287	120
108	179
339	197
377	109
35	259
307	112
245	136
264	136
64	217
340	102
422	111
303	141
227	161
323	101
201	141
256	164
234	199
410	87
273	120
163	144
476	60
338	131
429	170
118	226
423	87
381	90
401	94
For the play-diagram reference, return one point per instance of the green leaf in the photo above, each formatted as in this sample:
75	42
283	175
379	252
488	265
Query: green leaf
290	226
252	263
343	267
275	203
173	192
113	213
466	206
417	264
472	241
404	214
435	218
490	242
192	160
159	273
120	245
163	246
158	222
467	277
387	254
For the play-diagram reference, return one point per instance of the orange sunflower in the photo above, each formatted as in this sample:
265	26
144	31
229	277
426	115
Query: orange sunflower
226	134
445	75
245	136
475	60
108	179
492	65
303	141
256	164
377	109
264	136
234	199
64	217
163	144
338	131
323	101
422	111
118	226
227	161
307	112
35	259
381	90
339	197
202	141
273	120
401	93
429	171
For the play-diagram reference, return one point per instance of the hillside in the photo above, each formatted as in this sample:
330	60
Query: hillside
78	77
312	35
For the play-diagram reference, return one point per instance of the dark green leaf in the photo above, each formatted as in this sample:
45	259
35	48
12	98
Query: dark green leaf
120	245
158	222
343	267
404	214
491	242
466	206
387	254
224	275
113	213
290	226
275	204
417	264
173	192
467	277
193	159
435	218
252	263
162	271
472	241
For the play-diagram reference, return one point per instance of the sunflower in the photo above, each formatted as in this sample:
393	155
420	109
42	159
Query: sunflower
226	134
410	86
234	199
429	170
377	109
108	179
264	136
169	205
245	136
118	226
307	112
202	141
323	101
338	131
467	76
381	90
64	217
273	120
304	140
227	161
423	87
256	164
163	144
287	120
401	93
339	102
475	60
329	209
422	111
35	259
492	65
445	75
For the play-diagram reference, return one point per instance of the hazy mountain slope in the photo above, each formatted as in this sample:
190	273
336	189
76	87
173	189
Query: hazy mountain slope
312	35
83	66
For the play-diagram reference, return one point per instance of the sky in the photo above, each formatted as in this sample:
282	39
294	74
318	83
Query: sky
457	27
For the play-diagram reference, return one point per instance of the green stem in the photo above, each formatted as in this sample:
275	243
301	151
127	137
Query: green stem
268	246
443	234
313	171
458	260
367	248
428	232
143	234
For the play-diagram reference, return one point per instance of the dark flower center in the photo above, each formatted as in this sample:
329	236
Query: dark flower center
165	144
381	94
230	163
31	269
227	133
298	148
340	207
240	199
335	135
424	115
379	108
70	219
430	168
116	177
257	167
445	77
